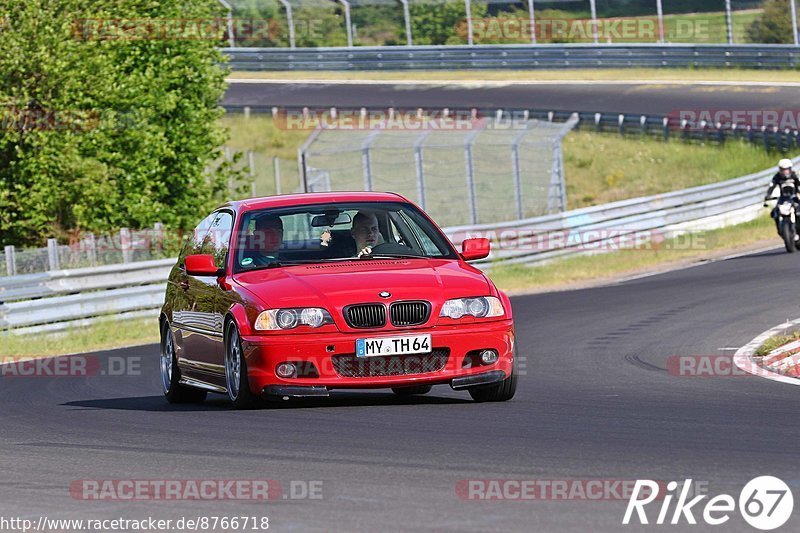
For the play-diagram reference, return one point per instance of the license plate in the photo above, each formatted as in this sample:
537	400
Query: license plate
393	346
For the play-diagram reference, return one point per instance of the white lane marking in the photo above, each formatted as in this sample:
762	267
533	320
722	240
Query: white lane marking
504	83
743	358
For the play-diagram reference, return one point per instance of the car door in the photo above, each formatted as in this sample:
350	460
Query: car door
193	310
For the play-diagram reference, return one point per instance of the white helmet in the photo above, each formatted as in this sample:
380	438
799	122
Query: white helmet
784	164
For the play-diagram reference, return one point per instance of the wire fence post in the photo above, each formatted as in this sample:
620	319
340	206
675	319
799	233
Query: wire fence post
795	33
407	19
517	171
52	254
289	21
419	167
11	260
660	11
91	249
231	39
348	26
276	169
595	36
729	20
532	21
125	245
366	161
468	8
473	207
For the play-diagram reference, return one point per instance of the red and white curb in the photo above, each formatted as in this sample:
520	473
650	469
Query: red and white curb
781	364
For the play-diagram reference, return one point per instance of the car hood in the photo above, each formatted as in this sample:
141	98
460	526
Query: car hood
336	285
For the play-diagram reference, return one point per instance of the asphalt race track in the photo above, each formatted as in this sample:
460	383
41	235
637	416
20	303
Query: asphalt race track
654	98
596	403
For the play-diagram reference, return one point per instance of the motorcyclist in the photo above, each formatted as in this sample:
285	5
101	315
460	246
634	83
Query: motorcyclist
785	173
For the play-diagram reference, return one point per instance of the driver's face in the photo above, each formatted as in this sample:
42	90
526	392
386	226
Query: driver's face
365	233
786	172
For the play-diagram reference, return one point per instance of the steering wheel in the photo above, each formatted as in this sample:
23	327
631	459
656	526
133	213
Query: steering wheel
389	248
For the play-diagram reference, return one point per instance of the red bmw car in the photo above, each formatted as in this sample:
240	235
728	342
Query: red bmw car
292	296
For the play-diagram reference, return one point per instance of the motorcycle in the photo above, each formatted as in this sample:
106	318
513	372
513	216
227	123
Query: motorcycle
785	213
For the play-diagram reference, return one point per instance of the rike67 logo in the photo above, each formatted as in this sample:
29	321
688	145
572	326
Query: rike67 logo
765	503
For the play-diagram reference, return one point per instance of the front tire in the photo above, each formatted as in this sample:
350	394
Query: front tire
174	392
501	392
412	391
787	232
236	372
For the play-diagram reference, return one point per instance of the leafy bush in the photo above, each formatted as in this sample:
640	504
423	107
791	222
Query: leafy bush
99	132
773	25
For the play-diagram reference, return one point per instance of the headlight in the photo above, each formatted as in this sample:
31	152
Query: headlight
483	307
785	209
282	319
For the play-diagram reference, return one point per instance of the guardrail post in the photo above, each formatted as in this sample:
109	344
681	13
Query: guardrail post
246	112
765	137
643	122
125	245
598	117
666	128
52	254
720	133
621	119
11	260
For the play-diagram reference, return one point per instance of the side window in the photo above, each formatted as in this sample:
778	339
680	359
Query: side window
194	241
219	237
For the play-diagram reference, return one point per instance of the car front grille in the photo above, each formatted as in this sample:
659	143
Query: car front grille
365	316
350	366
409	313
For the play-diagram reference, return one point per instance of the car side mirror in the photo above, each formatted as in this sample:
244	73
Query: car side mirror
202	265
474	249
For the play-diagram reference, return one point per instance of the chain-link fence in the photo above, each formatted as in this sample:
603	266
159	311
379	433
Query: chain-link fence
318	23
487	170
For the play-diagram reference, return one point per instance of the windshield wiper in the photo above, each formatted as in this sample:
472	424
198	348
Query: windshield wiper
392	256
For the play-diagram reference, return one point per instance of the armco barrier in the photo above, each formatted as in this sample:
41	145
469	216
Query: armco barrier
516	57
57	300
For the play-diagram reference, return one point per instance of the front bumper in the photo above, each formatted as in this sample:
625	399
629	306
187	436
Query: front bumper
264	353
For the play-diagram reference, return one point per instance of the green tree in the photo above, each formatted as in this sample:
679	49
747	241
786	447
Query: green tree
442	21
773	25
107	122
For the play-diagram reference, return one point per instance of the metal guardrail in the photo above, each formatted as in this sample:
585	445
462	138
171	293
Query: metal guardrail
757	56
514	242
58	300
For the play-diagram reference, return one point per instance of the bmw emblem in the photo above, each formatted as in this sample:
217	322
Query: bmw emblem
384	294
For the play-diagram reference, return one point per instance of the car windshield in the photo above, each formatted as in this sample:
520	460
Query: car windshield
336	232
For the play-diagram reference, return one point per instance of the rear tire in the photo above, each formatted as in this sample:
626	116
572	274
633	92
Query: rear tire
171	374
236	380
787	232
412	391
501	392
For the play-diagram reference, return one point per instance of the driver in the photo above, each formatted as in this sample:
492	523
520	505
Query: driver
785	173
366	232
264	243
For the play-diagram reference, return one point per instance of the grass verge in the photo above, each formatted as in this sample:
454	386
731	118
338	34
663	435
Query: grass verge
776	342
694	247
106	335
